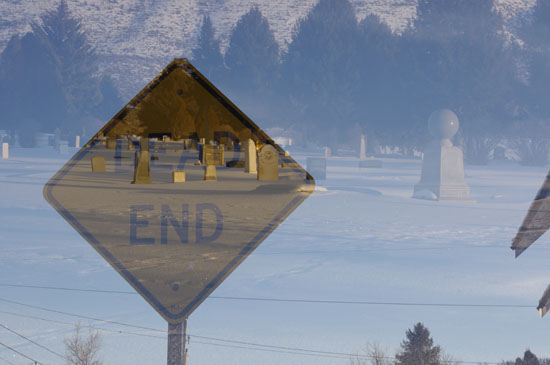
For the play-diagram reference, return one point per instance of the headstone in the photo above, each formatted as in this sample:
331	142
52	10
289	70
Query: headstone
178	176
142	172
213	155
111	143
42	140
443	164
130	143
118	155
317	167
77	142
98	164
268	163
191	144
5	150
210	173
57	137
363	149
327	152
63	147
250	164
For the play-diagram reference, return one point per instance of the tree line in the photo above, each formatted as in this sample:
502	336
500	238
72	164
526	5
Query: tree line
418	348
336	79
49	79
339	77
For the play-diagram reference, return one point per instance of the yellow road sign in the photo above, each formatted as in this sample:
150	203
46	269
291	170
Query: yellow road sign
146	195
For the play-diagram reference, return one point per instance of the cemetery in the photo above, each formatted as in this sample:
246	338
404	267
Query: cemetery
363	217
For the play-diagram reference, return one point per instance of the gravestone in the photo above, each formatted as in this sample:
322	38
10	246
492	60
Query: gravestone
213	155
268	163
57	137
77	142
327	152
142	171
363	149
63	147
250	165
443	164
178	176
317	167
5	150
98	164
42	140
210	173
111	143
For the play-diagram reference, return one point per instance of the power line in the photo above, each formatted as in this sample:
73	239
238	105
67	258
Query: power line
68	289
87	326
260	346
284	352
406	304
158	337
294	300
22	354
80	316
275	350
31	341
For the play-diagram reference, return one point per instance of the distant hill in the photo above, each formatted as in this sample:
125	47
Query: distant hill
137	38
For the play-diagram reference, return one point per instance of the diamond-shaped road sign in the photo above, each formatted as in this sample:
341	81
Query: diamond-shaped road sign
142	190
534	225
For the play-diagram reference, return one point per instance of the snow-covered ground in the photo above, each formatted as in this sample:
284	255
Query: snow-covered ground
363	238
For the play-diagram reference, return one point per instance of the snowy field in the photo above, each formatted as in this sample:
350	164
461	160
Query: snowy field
359	238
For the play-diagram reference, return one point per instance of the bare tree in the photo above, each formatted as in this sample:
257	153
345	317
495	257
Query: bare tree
376	356
81	349
477	148
533	151
447	359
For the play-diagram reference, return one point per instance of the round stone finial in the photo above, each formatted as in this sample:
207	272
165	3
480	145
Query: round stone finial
443	124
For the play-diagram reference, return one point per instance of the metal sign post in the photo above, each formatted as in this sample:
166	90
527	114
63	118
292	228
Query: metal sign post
177	351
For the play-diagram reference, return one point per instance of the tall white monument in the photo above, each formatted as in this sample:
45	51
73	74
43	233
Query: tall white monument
363	148
443	166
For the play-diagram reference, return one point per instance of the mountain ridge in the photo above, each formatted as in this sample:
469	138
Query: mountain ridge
135	39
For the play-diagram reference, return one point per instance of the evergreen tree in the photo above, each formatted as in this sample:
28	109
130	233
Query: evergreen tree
456	58
418	348
535	32
536	35
253	54
207	56
321	71
111	102
380	81
74	59
31	97
445	20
